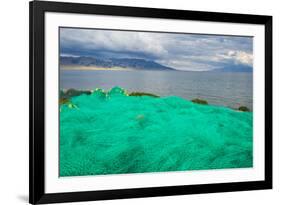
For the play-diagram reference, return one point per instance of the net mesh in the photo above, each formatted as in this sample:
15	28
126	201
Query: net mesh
113	133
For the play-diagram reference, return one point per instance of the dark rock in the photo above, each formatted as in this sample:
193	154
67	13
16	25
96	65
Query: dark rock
200	101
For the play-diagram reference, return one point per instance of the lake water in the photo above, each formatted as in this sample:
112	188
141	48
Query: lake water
223	89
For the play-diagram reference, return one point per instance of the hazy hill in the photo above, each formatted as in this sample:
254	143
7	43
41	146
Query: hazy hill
235	68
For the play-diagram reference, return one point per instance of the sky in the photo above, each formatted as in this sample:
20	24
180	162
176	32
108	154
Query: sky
192	52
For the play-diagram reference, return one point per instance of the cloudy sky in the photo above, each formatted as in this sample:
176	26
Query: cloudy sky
179	51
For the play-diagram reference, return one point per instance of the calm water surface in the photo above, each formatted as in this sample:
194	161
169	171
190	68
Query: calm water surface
224	89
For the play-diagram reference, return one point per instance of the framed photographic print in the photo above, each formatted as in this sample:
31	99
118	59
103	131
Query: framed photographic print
139	102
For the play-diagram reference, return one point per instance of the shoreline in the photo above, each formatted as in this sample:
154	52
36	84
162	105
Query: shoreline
66	94
92	68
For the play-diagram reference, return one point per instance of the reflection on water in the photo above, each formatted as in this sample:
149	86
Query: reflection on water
226	89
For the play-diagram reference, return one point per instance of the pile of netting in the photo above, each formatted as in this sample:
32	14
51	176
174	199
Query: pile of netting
113	133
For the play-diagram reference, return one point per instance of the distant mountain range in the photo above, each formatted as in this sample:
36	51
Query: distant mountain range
132	63
136	64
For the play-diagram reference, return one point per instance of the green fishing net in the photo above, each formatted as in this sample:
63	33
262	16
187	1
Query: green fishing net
113	133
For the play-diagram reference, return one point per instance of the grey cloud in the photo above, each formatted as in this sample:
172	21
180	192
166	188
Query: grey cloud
181	51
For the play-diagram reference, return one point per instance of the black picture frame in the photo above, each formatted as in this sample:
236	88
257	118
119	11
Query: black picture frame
37	11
